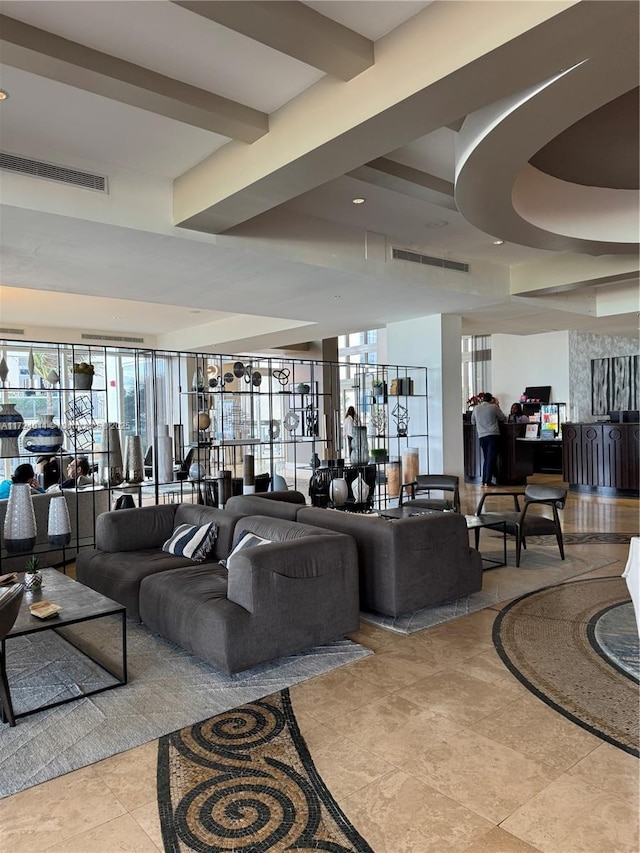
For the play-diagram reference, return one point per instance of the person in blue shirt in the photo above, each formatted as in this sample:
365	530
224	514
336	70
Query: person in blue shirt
23	474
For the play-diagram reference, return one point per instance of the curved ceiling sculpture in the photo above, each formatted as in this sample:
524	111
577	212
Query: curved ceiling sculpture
516	177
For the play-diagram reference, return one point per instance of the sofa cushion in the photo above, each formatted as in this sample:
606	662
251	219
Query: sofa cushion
191	541
245	540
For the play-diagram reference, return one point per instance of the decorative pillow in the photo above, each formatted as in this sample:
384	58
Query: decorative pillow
191	541
246	540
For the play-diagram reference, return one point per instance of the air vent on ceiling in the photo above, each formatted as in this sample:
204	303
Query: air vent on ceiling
7	331
51	172
417	258
113	338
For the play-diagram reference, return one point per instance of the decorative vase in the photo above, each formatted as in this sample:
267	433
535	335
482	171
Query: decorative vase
197	381
248	474
197	471
59	523
410	465
53	377
82	381
178	442
314	462
32	367
359	446
20	520
360	490
133	462
338	491
11	425
33	580
4	371
201	421
393	479
164	451
225	488
44	438
112	474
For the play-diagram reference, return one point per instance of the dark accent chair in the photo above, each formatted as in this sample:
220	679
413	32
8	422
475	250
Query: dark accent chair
527	521
420	490
10	600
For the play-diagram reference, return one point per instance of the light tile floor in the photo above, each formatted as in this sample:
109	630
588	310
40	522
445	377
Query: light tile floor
431	746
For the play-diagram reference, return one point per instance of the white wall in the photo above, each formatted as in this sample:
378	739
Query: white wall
435	343
518	361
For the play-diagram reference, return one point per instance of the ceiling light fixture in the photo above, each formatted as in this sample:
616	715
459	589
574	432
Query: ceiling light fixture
358	200
498	242
3	95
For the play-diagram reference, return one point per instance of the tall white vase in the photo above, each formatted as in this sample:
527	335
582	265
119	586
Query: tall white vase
164	451
20	520
338	491
58	523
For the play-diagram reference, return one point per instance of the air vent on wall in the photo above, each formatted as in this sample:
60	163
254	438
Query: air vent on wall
51	172
417	258
113	338
6	331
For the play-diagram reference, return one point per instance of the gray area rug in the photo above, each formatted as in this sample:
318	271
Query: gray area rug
538	568
168	689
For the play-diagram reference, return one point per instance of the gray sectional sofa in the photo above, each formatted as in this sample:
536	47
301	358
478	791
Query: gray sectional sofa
404	564
276	599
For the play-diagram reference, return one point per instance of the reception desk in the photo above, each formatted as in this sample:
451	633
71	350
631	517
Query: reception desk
602	458
515	464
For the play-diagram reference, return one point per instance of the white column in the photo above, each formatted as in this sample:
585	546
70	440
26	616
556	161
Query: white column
435	343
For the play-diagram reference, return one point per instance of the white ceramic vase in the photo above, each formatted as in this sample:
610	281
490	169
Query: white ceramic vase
20	520
338	491
360	490
164	450
59	522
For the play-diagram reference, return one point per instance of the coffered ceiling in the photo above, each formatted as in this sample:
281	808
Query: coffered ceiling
234	136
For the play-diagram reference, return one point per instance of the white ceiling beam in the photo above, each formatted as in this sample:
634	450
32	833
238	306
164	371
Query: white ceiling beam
329	130
295	30
391	175
40	52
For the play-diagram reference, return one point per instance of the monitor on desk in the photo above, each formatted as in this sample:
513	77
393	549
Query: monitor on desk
537	393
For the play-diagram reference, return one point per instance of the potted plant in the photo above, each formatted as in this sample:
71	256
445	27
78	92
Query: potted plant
83	373
32	574
448	506
379	454
379	388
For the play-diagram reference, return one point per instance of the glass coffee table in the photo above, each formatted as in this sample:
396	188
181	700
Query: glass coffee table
80	604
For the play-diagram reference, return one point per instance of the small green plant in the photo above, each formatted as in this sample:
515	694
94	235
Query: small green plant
448	506
32	565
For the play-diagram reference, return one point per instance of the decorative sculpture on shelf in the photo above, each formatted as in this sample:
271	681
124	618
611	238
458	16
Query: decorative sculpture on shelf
378	420
401	417
11	425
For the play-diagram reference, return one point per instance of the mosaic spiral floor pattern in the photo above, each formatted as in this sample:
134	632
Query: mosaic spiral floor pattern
548	640
243	781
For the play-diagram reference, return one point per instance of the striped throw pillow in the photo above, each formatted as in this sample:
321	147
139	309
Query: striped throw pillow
191	541
246	540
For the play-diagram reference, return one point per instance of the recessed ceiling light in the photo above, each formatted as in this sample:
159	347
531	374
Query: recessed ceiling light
3	95
436	223
358	200
498	242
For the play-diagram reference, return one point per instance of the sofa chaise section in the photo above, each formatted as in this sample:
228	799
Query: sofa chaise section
275	599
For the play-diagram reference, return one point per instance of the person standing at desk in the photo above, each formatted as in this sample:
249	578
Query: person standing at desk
487	418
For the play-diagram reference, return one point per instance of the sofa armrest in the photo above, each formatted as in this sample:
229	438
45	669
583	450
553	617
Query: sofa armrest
258	576
135	529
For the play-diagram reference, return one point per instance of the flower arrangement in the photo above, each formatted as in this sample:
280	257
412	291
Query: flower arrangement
475	400
84	367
